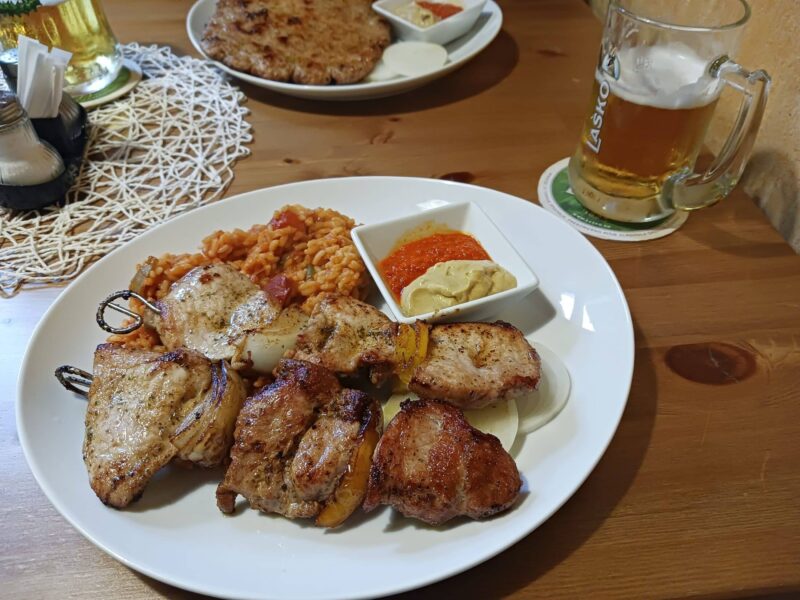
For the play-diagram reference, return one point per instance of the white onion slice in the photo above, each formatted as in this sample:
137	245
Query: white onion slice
500	419
414	58
263	349
540	407
382	72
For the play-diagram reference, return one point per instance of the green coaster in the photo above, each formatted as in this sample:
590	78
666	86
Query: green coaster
129	75
556	196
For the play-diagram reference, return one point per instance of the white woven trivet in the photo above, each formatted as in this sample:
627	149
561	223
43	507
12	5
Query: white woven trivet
165	148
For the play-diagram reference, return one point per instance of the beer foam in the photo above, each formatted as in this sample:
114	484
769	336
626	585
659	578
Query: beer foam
671	76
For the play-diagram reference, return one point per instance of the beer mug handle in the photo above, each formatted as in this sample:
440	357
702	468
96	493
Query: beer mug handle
696	190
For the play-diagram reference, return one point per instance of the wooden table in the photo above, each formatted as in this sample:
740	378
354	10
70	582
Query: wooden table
698	494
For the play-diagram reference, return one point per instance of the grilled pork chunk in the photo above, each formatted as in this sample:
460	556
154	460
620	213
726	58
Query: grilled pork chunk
147	408
344	335
473	365
297	442
470	365
432	465
219	312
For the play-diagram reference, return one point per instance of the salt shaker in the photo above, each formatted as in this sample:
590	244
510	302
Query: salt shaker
32	174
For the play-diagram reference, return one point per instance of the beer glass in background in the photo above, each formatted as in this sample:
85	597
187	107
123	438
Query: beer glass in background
662	67
78	26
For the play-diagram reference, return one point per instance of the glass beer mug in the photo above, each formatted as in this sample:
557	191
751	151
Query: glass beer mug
662	67
77	26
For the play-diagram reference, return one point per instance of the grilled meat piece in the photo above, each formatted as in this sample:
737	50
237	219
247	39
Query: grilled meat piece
147	408
473	365
316	42
209	309
219	312
294	442
431	464
470	365
344	334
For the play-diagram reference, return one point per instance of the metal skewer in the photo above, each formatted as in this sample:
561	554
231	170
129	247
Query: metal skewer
137	318
73	377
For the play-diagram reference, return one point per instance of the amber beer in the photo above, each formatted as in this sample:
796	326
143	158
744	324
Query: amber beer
639	133
78	26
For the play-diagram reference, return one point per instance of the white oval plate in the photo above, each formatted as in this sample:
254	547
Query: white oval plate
175	532
459	52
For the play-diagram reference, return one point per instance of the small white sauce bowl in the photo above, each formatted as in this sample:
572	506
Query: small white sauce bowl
375	242
443	32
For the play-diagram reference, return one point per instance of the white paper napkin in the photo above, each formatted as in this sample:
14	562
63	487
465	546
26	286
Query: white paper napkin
40	77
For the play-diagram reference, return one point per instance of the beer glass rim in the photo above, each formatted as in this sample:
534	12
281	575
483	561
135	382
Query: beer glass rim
617	5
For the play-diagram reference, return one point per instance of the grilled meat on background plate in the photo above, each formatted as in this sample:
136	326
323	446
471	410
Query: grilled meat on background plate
432	465
313	42
147	408
302	447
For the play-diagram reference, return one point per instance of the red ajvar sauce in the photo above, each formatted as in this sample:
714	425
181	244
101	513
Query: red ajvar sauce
441	10
407	262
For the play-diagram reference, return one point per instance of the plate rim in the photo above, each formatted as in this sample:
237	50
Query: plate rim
354	91
412	583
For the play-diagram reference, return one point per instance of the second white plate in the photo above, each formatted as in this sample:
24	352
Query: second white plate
459	52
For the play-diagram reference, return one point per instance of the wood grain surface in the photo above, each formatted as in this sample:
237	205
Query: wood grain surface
698	494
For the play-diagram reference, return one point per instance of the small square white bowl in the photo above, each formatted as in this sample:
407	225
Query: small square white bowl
443	32
374	242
